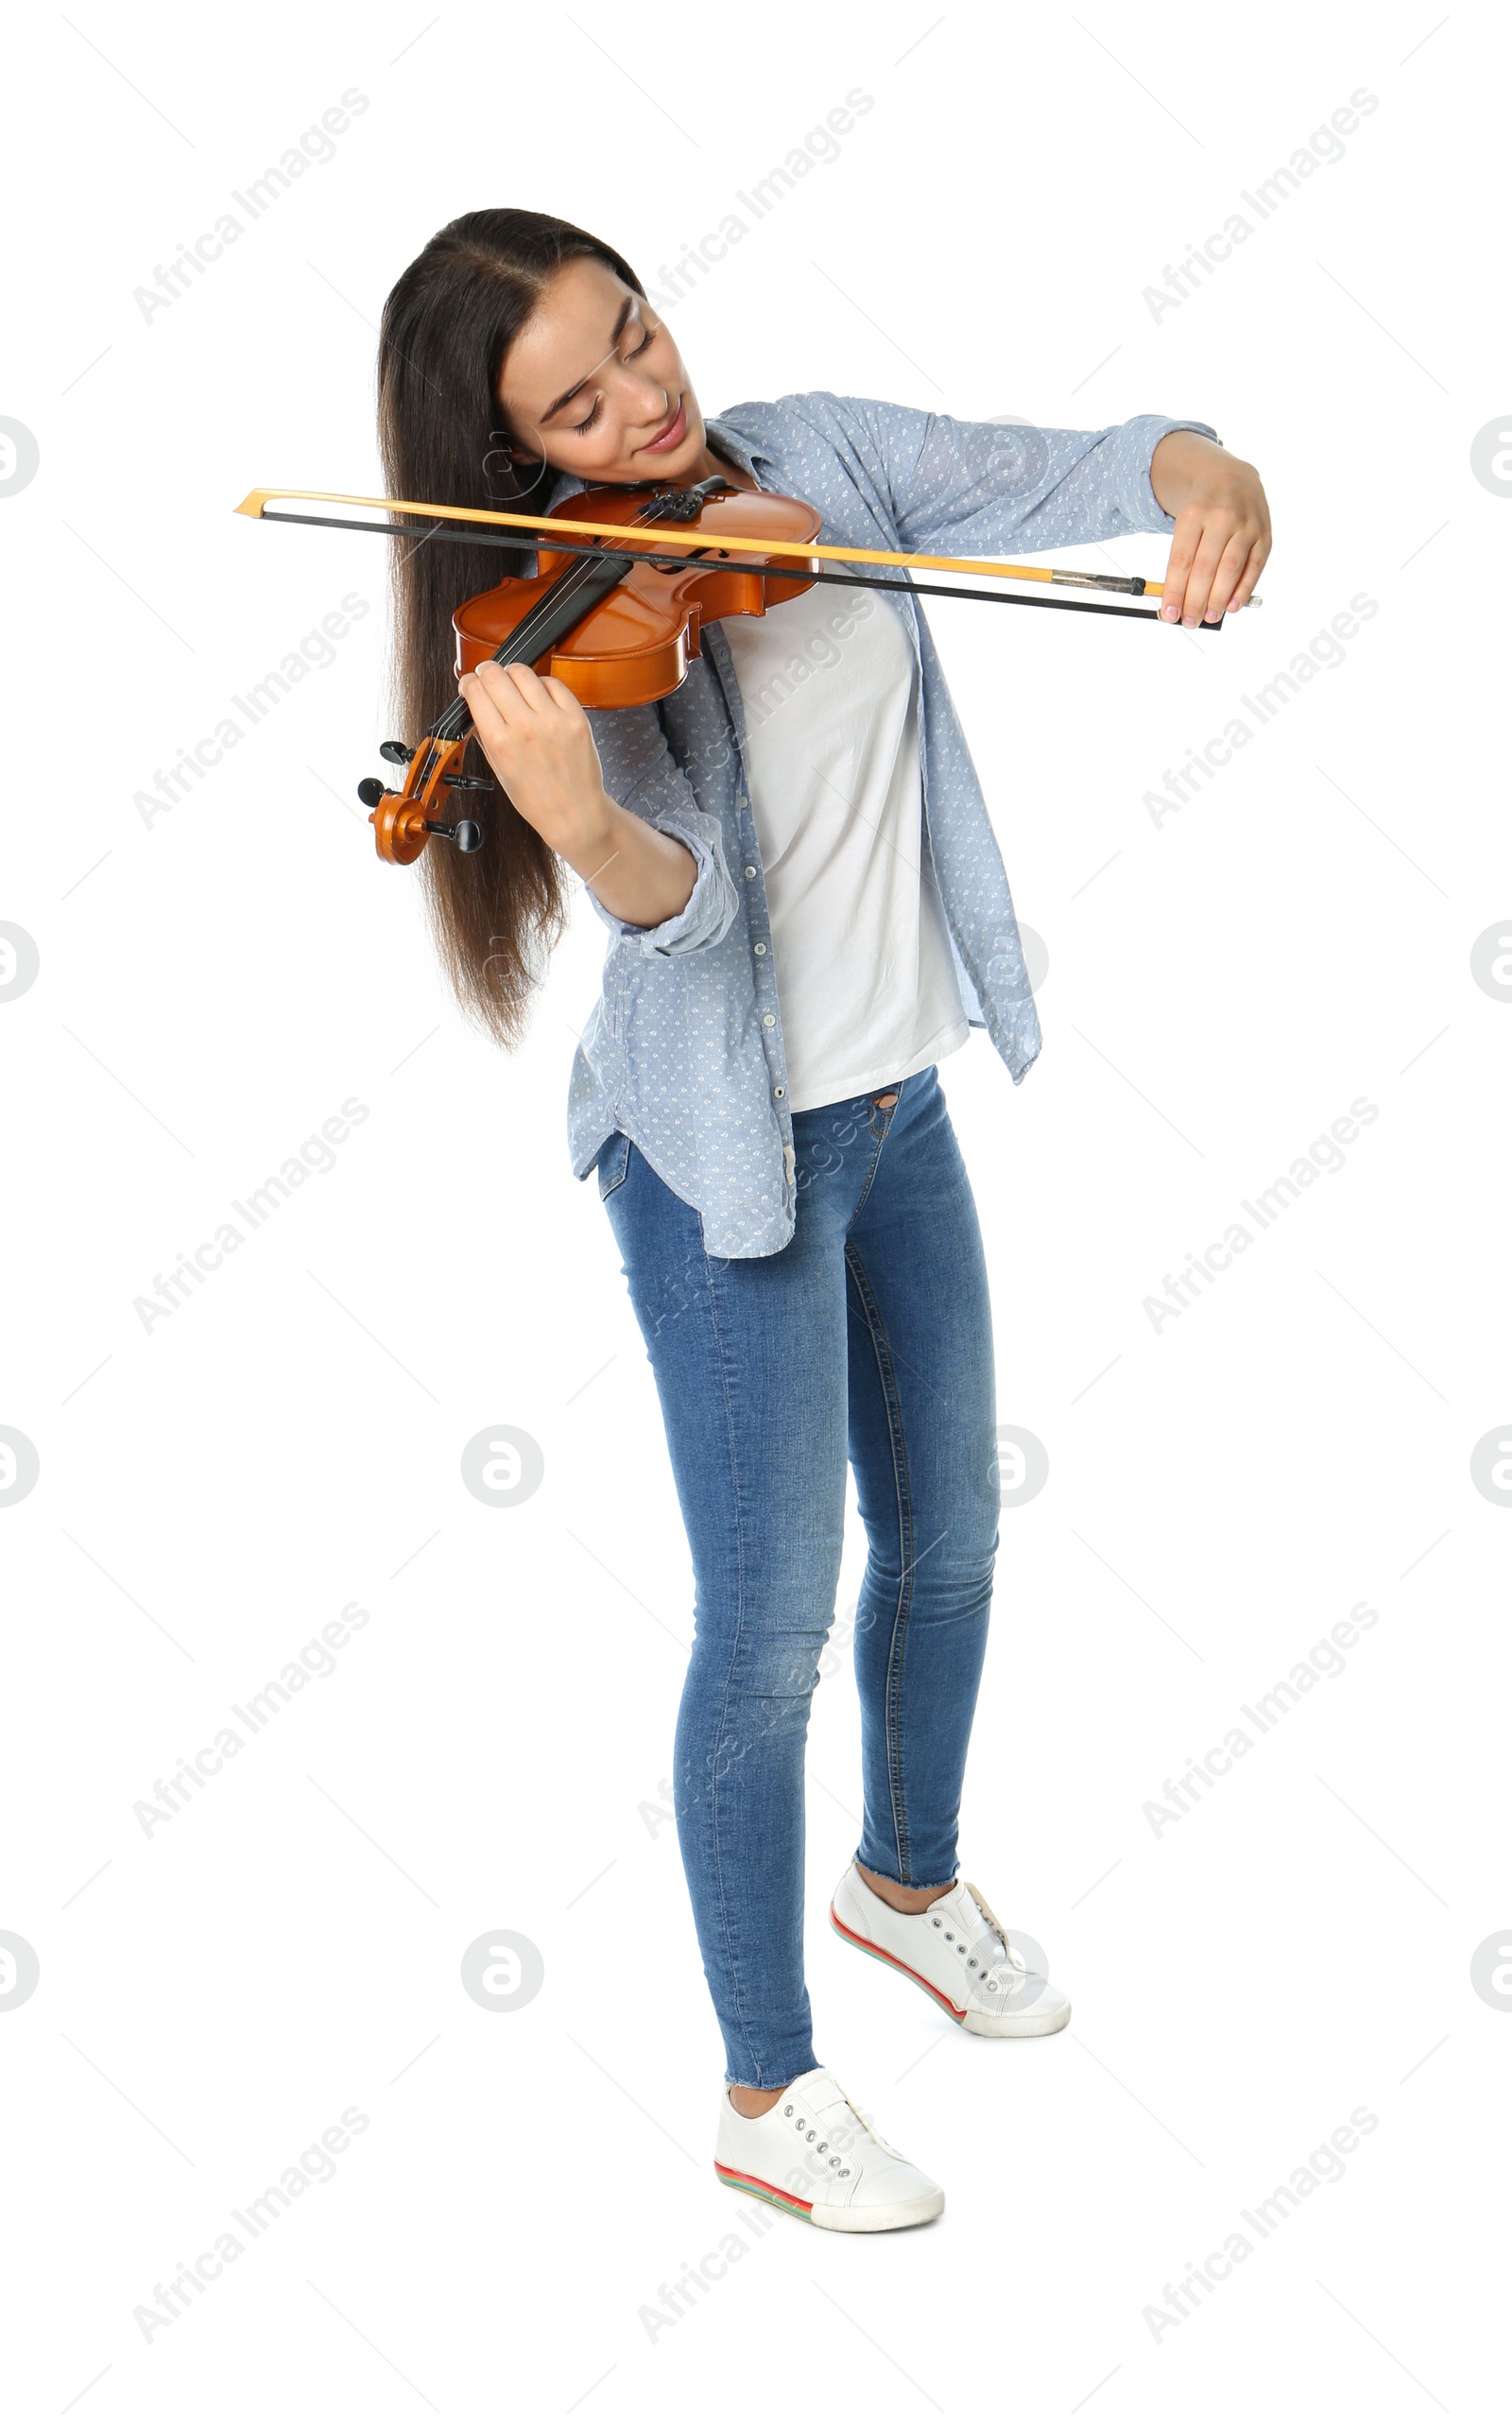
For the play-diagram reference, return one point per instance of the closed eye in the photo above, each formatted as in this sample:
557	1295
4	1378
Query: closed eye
580	428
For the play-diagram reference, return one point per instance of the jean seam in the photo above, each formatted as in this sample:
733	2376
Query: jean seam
735	1986
892	1693
881	1138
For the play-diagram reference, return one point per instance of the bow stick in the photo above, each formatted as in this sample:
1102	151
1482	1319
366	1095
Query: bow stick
545	530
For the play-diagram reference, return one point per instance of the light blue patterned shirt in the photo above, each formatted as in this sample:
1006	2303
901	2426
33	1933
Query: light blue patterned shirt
677	1054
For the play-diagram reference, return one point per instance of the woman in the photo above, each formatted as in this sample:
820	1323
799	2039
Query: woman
794	945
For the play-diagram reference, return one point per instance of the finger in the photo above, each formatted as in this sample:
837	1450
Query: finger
1230	567
528	687
489	682
1244	590
1183	548
1204	566
563	694
488	698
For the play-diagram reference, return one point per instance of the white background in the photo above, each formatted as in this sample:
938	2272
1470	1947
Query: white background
486	1756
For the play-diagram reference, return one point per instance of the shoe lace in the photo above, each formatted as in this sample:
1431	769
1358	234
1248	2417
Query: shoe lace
1004	1958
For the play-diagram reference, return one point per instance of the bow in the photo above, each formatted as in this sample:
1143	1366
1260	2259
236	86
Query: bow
547	533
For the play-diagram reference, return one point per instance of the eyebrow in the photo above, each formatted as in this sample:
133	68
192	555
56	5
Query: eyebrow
567	395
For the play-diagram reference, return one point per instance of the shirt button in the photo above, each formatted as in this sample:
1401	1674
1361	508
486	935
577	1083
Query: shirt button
750	873
778	1092
761	949
768	1019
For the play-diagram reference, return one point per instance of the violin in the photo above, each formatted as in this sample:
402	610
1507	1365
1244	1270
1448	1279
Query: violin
616	611
618	625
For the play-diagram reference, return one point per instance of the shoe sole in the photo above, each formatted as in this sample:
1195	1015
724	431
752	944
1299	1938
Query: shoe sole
872	2220
991	2029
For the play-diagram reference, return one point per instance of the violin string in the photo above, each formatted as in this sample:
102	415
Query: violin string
450	726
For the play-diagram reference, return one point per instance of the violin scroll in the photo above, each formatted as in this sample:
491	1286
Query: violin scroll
403	822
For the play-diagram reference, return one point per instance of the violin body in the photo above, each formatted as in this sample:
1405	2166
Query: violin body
636	645
619	626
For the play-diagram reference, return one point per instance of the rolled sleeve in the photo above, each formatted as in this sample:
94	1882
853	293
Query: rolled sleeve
713	903
1131	452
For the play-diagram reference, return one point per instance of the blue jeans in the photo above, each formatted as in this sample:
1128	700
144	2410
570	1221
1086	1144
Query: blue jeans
870	1333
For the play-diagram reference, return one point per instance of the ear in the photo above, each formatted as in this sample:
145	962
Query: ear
510	464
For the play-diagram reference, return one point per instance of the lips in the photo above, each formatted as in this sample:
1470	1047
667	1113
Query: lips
670	435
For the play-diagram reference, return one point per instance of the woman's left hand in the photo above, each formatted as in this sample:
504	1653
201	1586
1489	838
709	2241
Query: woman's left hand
539	744
1222	527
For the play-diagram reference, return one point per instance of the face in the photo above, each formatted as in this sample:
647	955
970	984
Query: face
595	384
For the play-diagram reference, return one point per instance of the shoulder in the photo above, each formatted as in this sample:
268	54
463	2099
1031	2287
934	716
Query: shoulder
817	421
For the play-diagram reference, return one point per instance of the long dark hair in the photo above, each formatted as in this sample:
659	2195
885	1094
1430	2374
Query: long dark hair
447	327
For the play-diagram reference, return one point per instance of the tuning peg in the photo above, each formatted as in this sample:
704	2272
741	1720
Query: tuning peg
467	835
371	792
469	784
399	752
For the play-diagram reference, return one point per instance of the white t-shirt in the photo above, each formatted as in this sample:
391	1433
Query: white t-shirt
866	980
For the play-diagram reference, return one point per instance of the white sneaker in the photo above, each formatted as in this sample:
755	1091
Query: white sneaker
813	2154
958	1952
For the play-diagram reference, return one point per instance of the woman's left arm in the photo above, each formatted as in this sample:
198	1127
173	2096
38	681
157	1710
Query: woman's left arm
976	488
1222	536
